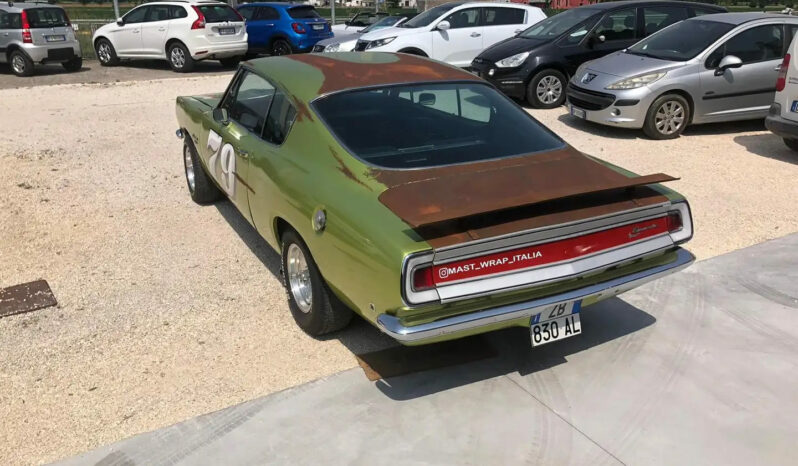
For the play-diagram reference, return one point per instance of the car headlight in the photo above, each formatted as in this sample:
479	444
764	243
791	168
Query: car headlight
637	81
514	61
332	47
380	42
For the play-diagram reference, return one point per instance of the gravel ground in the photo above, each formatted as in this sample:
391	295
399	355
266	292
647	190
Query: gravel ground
169	310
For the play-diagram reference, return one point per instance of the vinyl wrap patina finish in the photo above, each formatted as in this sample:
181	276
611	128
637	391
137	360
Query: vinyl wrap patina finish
376	217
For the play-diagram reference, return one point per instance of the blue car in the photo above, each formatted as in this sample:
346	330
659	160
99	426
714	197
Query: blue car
283	28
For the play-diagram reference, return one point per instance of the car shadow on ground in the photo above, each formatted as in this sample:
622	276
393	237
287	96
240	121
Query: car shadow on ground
45	70
602	323
204	66
767	145
597	129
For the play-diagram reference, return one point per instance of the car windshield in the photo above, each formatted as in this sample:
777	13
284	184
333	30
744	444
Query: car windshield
46	17
552	27
386	22
681	41
426	18
303	12
426	125
219	13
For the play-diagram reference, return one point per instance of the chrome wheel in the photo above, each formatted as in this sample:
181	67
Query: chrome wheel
104	52
299	278
18	64
178	57
669	118
549	89
189	168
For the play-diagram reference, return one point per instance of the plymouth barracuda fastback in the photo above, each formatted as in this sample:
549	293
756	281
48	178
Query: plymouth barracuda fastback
419	197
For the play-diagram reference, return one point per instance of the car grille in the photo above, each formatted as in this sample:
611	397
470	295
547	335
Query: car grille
318	48
361	45
587	99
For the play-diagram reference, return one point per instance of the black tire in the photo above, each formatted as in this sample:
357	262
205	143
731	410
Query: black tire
105	52
791	143
179	58
21	64
230	62
280	47
672	121
325	312
73	65
552	84
203	191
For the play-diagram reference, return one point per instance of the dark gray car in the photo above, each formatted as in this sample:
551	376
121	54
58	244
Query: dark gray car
711	68
32	33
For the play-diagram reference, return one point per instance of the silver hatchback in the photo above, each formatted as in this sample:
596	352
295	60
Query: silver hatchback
706	69
32	33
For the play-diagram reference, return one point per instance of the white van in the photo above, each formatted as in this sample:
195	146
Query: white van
783	117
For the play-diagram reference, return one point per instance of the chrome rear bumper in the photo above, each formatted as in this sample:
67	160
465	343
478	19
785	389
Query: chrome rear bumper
474	320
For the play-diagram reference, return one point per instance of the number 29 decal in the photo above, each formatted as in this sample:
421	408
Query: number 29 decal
225	174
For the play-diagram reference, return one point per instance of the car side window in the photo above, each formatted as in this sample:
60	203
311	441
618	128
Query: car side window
248	101
267	13
136	16
280	119
660	17
466	18
158	13
761	43
495	16
177	12
618	25
4	23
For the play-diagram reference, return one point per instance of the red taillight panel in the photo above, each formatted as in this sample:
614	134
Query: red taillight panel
674	222
555	251
199	23
298	28
781	82
26	36
422	279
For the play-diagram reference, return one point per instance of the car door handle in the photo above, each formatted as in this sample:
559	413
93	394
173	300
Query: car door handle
777	68
136	31
475	34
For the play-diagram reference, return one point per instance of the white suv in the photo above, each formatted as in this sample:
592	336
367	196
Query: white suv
453	32
182	32
782	119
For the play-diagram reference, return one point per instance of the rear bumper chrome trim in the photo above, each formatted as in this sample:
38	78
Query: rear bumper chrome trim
392	326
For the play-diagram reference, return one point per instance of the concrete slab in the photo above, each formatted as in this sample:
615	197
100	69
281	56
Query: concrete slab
698	368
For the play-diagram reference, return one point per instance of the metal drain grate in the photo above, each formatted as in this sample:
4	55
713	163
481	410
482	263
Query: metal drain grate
26	297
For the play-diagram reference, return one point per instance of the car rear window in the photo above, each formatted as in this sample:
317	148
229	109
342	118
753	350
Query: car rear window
426	125
219	13
303	12
46	17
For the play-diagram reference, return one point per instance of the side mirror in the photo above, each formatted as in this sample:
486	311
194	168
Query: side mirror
426	98
443	26
120	22
220	115
727	62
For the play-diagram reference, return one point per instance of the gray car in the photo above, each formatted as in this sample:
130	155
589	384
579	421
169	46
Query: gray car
32	33
711	68
345	41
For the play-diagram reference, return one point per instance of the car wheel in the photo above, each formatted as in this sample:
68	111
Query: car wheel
546	89
73	65
200	186
230	62
21	64
179	58
314	308
791	143
667	117
281	47
106	54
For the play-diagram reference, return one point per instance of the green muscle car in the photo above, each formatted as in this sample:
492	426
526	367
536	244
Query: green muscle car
419	197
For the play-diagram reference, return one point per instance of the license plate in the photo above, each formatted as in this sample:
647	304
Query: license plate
556	322
578	112
318	27
55	38
794	107
226	31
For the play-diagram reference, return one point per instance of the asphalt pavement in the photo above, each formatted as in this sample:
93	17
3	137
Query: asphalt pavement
696	368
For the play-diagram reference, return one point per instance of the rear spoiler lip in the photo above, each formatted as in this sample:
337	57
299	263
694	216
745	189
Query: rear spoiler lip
418	216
